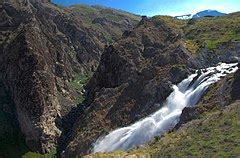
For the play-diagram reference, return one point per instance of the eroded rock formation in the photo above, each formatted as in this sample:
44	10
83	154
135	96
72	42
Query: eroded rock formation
42	48
133	79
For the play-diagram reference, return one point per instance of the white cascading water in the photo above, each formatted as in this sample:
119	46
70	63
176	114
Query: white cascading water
186	94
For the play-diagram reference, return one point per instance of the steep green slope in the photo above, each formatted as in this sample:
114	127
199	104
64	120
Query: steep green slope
213	31
208	32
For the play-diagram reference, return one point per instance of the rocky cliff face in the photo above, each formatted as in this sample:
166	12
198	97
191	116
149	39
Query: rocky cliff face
214	39
133	79
42	48
130	80
228	52
202	130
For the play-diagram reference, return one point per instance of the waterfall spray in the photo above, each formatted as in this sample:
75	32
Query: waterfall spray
185	94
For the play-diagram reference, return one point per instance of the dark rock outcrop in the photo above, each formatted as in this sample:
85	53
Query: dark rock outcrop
235	93
187	115
228	52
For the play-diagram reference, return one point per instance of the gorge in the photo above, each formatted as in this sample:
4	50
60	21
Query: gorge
76	80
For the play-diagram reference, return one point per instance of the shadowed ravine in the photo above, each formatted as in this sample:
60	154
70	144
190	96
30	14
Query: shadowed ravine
185	94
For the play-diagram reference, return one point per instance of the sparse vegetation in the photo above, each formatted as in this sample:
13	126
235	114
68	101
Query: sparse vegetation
213	31
170	21
78	83
84	8
192	46
104	21
37	155
208	32
97	11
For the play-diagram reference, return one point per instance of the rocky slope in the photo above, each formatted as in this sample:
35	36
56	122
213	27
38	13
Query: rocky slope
48	53
211	128
134	75
132	81
106	23
214	40
42	49
217	114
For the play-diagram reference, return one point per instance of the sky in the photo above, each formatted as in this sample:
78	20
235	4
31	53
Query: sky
161	7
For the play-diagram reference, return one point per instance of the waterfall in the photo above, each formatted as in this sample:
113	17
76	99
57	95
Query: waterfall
185	94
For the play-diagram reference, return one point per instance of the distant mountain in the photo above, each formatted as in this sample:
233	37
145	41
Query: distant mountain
208	13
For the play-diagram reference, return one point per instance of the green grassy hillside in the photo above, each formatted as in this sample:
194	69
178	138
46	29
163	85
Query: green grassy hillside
213	31
207	32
